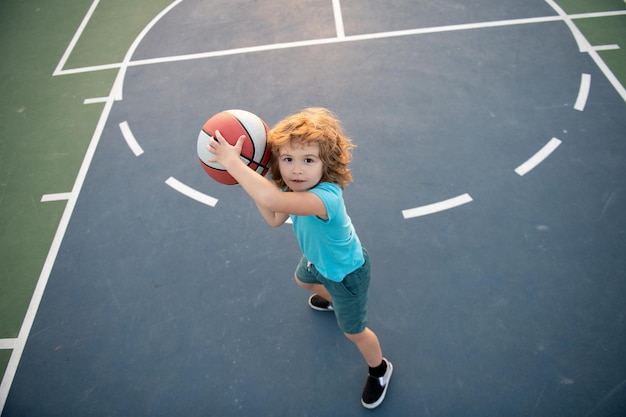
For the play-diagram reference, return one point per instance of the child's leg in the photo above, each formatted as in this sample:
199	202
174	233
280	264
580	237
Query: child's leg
368	345
380	369
316	288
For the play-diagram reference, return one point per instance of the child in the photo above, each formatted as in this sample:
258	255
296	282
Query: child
310	155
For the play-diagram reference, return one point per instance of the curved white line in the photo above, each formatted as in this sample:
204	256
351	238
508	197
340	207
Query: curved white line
585	46
130	139
437	207
538	158
119	81
583	92
190	192
581	41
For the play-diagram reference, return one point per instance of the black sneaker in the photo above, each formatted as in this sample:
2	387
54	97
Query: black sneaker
317	302
376	388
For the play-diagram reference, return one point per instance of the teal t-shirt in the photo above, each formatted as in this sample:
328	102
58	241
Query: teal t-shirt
331	245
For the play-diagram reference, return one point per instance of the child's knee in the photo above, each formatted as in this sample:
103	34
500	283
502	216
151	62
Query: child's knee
364	336
355	337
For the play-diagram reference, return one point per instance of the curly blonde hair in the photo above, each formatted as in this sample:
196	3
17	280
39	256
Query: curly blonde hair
314	125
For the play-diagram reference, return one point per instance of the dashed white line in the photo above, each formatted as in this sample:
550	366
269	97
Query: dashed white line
191	193
130	139
538	158
437	207
46	198
583	92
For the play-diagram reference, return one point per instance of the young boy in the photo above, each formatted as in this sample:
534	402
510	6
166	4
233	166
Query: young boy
310	157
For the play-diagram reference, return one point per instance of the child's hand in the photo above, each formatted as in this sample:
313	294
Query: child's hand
224	152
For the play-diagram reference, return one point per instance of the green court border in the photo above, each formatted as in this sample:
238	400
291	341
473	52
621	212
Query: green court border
45	127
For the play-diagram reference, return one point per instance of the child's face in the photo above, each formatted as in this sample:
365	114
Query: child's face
300	166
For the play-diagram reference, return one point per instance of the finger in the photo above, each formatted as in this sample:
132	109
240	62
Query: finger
240	141
218	137
212	145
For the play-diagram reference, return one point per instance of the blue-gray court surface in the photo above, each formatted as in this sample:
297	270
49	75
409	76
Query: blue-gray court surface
489	189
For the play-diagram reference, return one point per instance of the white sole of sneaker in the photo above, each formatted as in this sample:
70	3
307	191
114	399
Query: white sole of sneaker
317	308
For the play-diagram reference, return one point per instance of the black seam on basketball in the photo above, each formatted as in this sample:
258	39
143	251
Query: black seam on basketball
249	137
209	134
249	161
209	166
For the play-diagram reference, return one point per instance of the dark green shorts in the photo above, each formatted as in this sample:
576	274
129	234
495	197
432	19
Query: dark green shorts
349	295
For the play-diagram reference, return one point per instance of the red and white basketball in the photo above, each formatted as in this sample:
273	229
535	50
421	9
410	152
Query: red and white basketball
232	124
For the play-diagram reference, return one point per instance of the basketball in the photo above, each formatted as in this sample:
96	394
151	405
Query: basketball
232	124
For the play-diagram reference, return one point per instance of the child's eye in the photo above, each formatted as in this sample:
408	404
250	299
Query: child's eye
309	160
287	159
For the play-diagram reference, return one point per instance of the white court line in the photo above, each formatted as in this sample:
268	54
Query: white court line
74	40
82	70
585	46
583	92
608	73
190	192
437	207
538	158
592	15
118	85
95	100
130	139
353	38
46	198
63	224
7	343
42	282
338	19
611	47
326	41
581	41
44	276
317	42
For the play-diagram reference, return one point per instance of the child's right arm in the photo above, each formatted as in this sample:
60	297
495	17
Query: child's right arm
272	218
273	204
